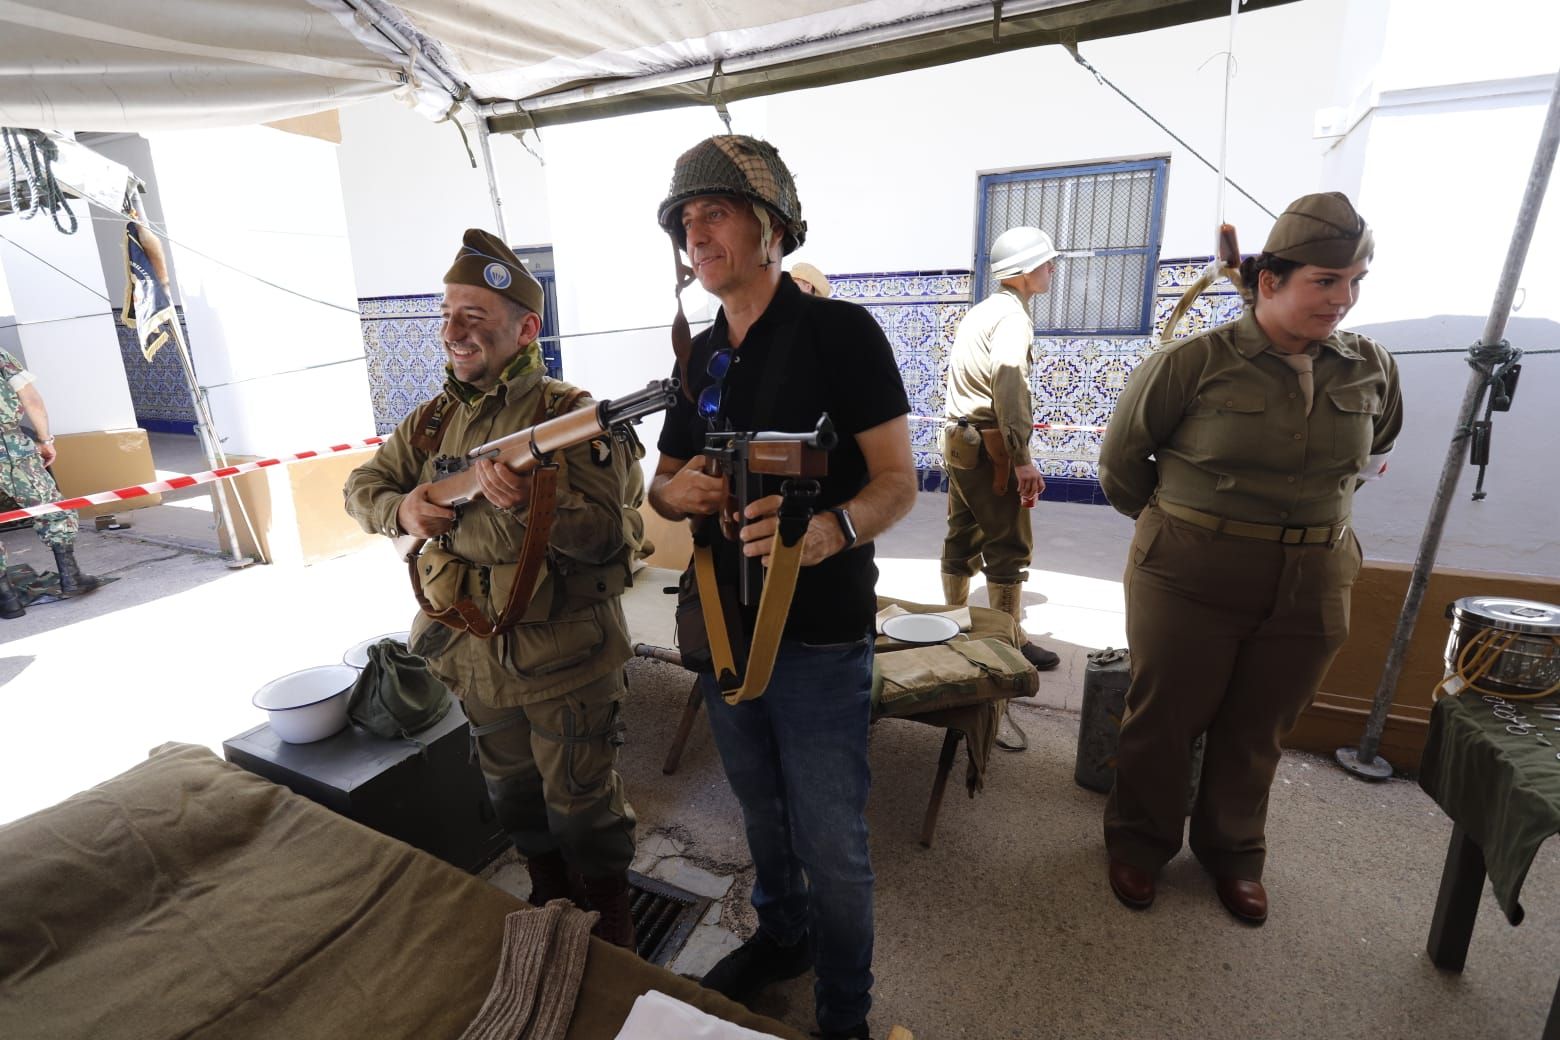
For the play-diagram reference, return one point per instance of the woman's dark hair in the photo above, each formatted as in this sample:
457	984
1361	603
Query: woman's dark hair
1251	269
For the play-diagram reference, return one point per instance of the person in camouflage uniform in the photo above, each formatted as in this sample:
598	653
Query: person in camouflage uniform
25	478
543	695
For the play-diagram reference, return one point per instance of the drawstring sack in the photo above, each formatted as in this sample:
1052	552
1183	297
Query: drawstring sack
395	694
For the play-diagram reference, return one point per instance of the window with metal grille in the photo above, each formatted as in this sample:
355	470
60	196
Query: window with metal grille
1106	219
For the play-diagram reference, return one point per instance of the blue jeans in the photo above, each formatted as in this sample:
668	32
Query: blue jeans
797	760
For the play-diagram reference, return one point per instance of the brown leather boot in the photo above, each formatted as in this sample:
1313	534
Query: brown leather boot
549	878
613	900
1009	600
11	605
956	589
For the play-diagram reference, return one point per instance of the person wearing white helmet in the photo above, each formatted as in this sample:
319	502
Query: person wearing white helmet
989	417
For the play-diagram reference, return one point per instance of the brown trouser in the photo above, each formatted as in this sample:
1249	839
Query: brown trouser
1229	636
551	774
986	531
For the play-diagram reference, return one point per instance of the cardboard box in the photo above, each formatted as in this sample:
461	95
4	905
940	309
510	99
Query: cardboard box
104	460
295	510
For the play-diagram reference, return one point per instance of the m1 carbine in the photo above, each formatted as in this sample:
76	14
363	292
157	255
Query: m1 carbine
534	446
747	457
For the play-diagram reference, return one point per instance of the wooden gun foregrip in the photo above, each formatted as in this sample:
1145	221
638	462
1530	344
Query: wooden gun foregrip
787	459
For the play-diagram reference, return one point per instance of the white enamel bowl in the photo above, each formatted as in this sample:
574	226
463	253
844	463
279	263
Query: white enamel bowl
357	657
309	705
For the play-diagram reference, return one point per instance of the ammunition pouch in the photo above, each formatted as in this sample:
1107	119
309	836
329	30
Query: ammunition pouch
442	577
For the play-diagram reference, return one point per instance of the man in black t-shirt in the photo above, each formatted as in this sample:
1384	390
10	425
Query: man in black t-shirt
775	359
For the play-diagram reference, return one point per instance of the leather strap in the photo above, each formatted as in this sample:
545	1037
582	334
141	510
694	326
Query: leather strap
1262	532
466	615
774	604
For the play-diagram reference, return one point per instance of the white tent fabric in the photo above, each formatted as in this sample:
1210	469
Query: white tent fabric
115	65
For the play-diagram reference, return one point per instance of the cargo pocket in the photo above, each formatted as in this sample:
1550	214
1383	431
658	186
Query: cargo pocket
1355	409
551	646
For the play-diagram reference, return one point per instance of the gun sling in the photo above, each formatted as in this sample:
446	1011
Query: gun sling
466	615
774	604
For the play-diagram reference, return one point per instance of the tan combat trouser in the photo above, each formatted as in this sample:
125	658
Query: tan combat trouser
551	774
986	531
1229	636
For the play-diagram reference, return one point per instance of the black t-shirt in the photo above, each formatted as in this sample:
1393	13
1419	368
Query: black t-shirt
827	356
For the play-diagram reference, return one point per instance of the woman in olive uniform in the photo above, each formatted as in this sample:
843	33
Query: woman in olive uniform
1239	451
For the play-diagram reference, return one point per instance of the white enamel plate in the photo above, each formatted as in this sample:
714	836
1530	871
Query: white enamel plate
921	628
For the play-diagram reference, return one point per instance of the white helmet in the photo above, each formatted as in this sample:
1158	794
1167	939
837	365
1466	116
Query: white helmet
1020	250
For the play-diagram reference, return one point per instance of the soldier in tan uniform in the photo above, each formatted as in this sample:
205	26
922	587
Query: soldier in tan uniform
543	697
990	417
1239	451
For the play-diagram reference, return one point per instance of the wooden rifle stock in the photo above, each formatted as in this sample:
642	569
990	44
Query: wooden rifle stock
526	449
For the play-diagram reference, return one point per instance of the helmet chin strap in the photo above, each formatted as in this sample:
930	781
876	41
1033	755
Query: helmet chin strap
765	230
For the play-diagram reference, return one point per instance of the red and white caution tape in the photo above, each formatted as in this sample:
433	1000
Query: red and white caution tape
103	498
1062	427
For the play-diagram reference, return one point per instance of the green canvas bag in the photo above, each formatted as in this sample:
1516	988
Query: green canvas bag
396	695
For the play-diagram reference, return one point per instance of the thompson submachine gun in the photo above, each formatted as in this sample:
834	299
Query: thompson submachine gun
746	457
533	446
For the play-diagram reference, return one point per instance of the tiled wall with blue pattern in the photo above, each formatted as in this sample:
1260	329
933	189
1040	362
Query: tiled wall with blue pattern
158	391
1075	379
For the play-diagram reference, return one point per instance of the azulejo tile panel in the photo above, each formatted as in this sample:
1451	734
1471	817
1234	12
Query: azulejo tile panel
404	352
1075	379
158	392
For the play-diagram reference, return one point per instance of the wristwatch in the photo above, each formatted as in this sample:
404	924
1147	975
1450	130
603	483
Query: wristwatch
847	528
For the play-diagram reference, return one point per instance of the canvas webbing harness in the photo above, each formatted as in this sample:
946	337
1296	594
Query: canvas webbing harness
785	564
466	615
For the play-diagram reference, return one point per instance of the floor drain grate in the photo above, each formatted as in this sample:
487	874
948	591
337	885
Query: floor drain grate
664	917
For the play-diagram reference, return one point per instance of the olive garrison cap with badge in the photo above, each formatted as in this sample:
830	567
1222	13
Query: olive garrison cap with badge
734	164
1321	229
486	262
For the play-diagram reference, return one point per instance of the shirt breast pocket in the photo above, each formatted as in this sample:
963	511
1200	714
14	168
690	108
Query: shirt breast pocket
1355	410
1226	422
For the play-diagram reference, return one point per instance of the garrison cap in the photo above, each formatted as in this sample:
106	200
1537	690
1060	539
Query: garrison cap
1321	229
484	261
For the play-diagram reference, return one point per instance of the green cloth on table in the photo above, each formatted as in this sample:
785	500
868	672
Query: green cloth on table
1502	788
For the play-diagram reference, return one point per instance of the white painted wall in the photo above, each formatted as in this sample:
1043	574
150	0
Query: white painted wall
252	205
411	192
64	330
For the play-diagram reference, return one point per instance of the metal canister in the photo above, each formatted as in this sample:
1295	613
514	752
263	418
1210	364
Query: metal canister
1530	660
1105	682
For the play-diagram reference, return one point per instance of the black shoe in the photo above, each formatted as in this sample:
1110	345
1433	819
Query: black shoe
858	1031
1042	659
758	963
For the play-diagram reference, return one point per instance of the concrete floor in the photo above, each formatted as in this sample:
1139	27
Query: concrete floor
1005	928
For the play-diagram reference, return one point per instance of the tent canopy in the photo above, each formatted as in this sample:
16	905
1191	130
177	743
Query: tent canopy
107	65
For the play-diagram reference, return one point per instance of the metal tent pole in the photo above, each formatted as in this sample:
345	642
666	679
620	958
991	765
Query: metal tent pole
205	428
492	179
1484	356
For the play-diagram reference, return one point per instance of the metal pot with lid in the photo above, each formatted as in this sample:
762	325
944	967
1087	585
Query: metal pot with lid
1526	633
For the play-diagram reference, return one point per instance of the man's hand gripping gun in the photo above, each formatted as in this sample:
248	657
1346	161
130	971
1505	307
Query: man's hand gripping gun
746	458
534	446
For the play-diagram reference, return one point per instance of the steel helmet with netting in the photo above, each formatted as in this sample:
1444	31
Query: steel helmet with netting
735	164
1020	250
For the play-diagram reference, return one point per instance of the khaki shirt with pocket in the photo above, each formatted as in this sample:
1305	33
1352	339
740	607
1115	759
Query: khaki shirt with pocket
573	630
988	371
1215	424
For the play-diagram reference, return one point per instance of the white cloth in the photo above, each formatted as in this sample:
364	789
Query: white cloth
656	1016
21	379
1375	466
